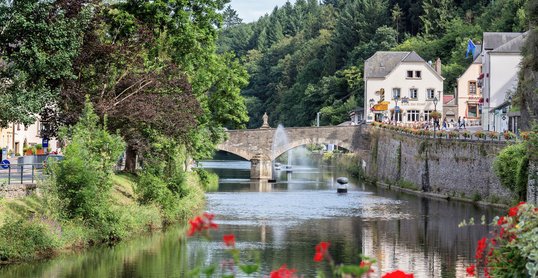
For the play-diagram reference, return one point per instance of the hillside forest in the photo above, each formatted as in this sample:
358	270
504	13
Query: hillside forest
307	57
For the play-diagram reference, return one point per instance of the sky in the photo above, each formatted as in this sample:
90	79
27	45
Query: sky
251	10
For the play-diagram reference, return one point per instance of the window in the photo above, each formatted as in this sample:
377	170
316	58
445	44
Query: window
413	115
418	74
409	74
413	93
472	111
396	116
430	93
427	115
395	93
472	87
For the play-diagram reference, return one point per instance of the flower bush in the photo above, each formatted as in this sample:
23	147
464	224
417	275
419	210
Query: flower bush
204	223
453	134
466	134
493	135
509	135
512	248
480	134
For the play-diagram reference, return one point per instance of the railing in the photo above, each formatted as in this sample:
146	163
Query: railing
456	134
21	173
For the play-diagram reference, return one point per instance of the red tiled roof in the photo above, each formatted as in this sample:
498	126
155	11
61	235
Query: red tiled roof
447	98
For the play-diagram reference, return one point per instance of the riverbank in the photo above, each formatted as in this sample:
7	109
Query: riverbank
31	230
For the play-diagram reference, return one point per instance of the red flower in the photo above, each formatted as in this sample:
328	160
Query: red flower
480	248
471	270
501	221
201	223
514	210
321	249
283	272
368	265
398	274
229	240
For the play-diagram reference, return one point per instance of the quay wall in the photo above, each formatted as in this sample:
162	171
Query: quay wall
451	167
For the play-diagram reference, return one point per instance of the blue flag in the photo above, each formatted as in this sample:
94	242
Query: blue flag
470	48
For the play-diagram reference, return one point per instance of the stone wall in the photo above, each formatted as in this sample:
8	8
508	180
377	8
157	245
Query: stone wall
16	190
532	188
458	168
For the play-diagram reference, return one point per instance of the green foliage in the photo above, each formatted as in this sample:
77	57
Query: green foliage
83	178
38	42
25	239
511	166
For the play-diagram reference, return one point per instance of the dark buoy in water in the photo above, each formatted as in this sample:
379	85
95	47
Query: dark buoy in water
342	185
271	181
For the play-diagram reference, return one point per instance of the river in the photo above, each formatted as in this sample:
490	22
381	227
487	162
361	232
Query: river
280	223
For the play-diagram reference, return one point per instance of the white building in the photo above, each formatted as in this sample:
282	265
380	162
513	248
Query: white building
401	79
501	56
16	136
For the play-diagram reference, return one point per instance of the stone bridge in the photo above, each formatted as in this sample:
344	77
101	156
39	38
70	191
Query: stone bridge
256	145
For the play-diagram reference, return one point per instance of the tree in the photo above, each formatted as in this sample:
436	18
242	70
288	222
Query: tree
437	15
230	18
526	97
38	42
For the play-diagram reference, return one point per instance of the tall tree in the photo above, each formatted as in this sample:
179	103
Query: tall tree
230	18
437	15
526	95
38	41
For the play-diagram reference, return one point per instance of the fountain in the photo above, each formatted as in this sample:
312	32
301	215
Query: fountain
280	139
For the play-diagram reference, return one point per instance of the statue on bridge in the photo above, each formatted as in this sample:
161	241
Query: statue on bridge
265	121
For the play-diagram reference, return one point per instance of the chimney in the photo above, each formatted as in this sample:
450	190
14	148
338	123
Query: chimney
438	66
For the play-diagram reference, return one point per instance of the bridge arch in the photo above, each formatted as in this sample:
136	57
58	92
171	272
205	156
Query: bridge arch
306	141
237	151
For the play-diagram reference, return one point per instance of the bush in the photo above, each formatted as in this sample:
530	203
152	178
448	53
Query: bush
512	247
83	179
25	240
511	166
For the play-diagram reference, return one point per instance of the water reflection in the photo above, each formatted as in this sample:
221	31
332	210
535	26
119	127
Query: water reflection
283	221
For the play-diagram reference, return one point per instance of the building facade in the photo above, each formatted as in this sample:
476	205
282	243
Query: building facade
501	54
469	93
401	87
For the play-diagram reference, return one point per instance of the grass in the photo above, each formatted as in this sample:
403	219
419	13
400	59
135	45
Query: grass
48	235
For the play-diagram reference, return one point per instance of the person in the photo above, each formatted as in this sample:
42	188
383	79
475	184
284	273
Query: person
462	124
451	122
445	124
459	122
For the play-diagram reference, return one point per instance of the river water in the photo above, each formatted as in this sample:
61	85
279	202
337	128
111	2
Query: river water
280	223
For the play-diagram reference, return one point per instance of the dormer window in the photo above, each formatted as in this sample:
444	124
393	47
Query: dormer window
417	74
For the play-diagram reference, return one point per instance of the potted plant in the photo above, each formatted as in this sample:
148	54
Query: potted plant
480	134
454	135
466	134
493	135
435	115
28	151
39	149
509	135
